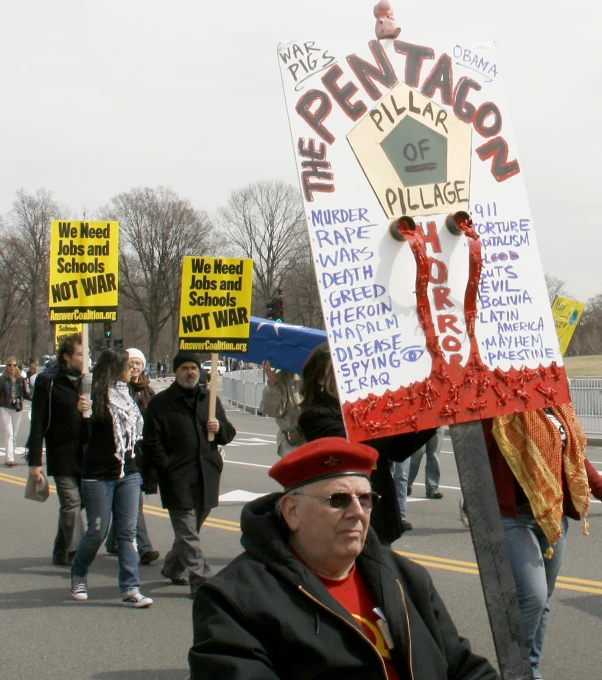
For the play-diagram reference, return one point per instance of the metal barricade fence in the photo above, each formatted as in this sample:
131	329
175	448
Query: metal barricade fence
586	393
244	389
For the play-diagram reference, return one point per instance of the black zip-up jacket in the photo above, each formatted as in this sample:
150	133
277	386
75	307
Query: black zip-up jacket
267	616
175	445
55	418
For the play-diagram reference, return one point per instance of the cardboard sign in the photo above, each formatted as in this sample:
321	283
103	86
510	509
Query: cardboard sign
84	271
215	304
64	330
449	321
567	314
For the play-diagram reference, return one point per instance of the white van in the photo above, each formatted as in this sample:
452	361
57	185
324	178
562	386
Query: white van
221	368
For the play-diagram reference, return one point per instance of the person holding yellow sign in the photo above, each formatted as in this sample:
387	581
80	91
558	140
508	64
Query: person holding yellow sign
110	478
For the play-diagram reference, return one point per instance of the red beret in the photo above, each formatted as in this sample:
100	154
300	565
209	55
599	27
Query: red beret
321	459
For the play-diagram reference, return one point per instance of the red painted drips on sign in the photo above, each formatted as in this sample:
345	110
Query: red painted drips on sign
452	392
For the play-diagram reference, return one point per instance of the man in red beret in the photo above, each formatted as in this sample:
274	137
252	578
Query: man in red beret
316	595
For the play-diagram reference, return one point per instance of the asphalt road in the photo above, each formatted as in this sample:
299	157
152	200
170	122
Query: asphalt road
47	635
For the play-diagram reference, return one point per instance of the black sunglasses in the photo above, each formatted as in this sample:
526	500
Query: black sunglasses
340	501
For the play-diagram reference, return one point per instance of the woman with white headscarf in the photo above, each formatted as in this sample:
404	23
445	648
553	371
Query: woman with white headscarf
110	477
141	393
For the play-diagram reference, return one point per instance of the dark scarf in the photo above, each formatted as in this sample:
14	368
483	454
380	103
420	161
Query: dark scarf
141	393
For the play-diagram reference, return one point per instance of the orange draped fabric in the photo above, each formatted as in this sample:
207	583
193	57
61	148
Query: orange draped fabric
532	447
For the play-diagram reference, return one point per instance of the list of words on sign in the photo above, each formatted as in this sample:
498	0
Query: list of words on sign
359	310
511	329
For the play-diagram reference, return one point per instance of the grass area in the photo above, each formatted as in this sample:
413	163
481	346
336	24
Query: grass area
590	366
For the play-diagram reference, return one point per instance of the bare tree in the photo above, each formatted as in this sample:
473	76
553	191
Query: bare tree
588	334
555	287
156	228
28	231
12	296
301	293
264	221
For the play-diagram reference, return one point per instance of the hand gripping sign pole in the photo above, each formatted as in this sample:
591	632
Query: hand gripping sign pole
215	310
87	376
83	278
212	393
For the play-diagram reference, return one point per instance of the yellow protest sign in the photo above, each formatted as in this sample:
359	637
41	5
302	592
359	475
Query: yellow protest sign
566	313
84	271
64	330
215	304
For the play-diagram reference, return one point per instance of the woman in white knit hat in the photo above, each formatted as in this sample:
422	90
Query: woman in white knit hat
142	393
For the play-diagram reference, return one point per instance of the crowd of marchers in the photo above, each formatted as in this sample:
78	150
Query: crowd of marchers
132	442
318	592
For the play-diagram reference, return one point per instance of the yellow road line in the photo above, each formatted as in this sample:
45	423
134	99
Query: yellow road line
209	523
429	561
16	480
446	567
417	556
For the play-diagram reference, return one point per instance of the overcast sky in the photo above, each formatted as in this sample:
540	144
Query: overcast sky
102	97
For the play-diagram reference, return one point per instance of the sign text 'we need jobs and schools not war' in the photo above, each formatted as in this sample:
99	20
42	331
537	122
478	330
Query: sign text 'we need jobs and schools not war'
64	330
215	304
84	271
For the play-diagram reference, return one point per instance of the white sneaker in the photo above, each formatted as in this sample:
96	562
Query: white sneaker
79	587
134	598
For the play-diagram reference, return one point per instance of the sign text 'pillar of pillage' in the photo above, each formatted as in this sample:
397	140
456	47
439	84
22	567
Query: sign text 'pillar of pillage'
84	271
215	304
450	321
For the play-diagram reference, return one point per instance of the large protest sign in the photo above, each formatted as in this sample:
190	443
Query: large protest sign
64	330
215	304
84	271
448	321
567	314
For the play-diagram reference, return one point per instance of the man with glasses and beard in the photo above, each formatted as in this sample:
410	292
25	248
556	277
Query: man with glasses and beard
56	416
188	466
316	595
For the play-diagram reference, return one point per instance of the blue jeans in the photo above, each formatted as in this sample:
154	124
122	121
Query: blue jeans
431	469
142	540
101	497
535	577
400	477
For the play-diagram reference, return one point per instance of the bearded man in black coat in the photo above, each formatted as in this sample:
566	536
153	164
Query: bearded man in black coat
187	465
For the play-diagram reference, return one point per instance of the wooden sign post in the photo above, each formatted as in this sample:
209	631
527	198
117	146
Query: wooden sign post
490	550
84	279
212	393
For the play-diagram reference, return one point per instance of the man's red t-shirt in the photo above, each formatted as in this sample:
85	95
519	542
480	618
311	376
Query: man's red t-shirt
353	595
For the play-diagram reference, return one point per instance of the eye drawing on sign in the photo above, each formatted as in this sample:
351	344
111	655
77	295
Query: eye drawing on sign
412	353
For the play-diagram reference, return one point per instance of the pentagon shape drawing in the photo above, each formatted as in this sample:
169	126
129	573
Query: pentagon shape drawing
415	155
